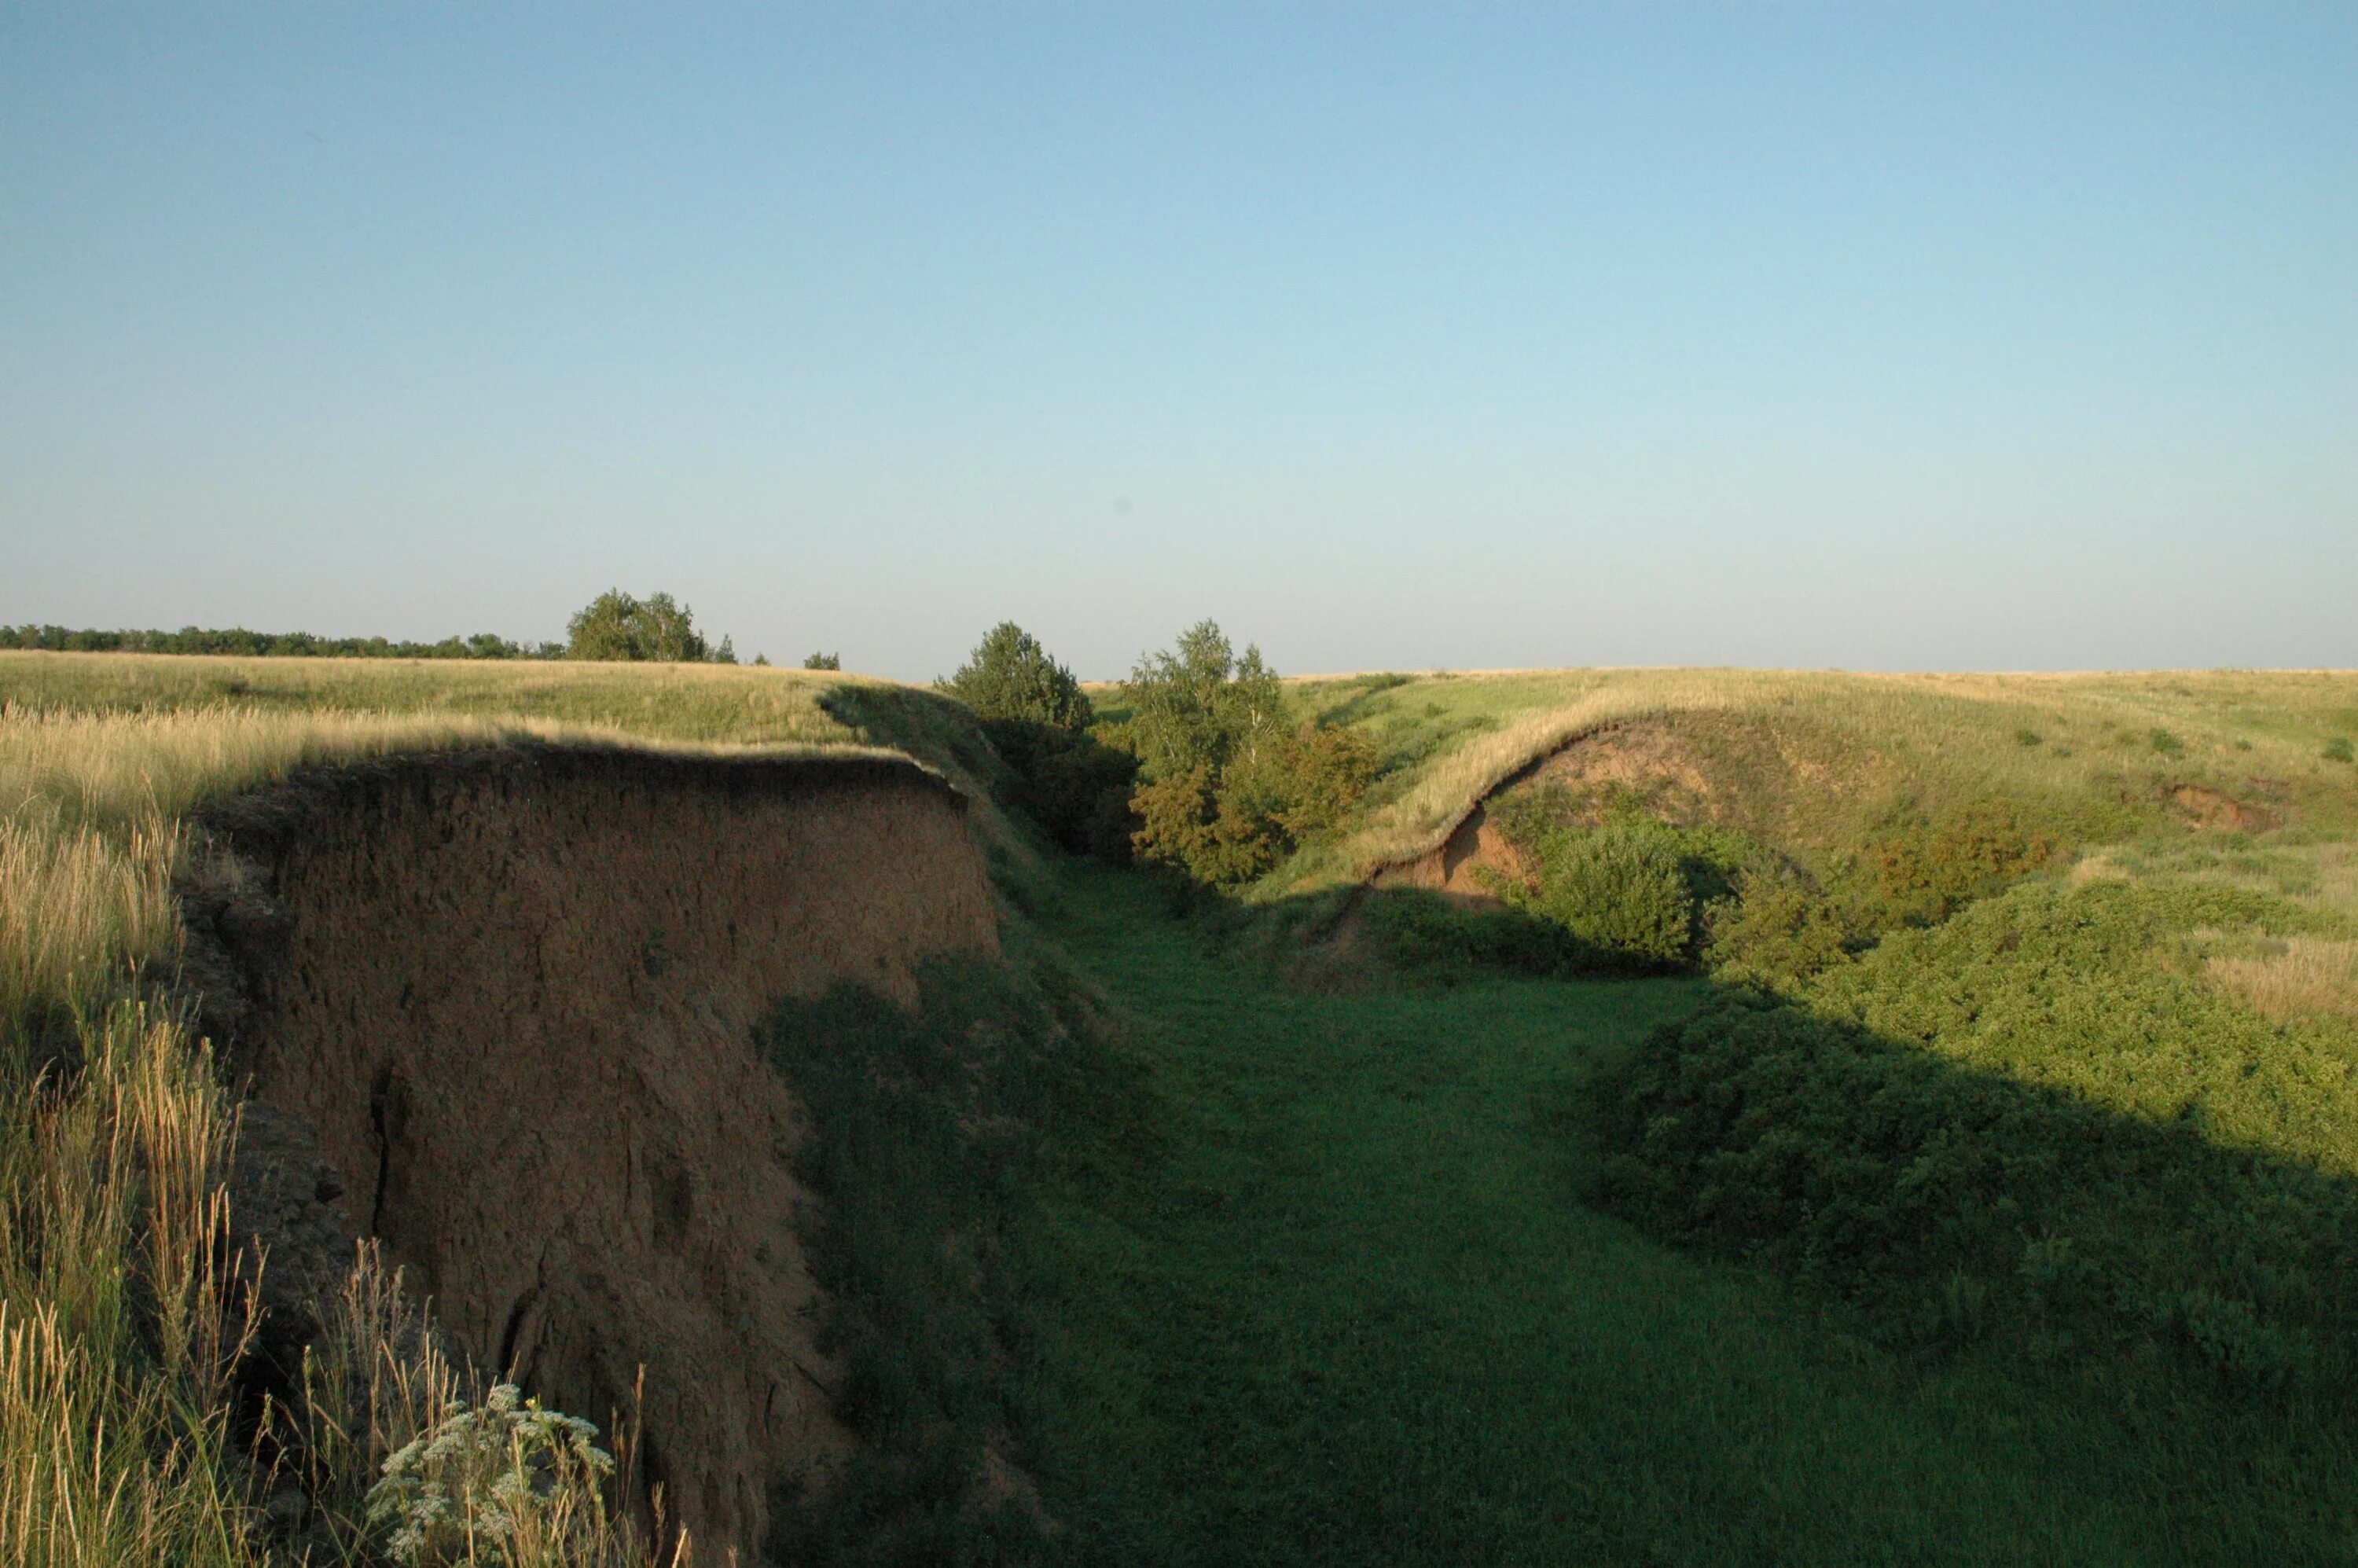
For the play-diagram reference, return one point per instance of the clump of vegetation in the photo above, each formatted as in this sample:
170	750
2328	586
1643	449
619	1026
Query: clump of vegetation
2167	744
1229	783
2338	749
2025	736
1632	892
1774	933
617	626
1620	888
817	661
1924	871
2020	1126
509	1481
1010	676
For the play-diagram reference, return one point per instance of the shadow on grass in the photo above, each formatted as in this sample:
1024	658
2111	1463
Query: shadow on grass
1947	1208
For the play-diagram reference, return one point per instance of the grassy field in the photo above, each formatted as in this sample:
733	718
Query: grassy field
1334	1293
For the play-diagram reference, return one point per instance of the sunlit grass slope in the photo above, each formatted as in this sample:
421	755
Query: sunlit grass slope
2073	742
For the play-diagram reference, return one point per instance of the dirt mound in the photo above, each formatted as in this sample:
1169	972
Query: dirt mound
511	995
2222	812
1455	870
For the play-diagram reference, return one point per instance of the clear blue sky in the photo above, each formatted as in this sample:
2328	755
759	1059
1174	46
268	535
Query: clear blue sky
1878	336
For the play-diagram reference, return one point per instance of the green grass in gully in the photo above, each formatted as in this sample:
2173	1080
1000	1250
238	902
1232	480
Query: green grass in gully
1343	1306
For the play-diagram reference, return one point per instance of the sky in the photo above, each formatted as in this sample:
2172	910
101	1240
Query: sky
1390	337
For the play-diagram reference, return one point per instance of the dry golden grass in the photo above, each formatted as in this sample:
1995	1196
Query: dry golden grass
117	1331
2308	976
736	704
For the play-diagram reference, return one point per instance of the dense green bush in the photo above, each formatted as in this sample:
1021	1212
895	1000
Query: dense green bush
1620	887
1076	788
2024	1127
1925	872
823	661
1773	932
1234	825
2338	749
1631	891
1073	785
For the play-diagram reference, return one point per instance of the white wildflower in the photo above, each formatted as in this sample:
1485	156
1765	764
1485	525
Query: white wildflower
480	1480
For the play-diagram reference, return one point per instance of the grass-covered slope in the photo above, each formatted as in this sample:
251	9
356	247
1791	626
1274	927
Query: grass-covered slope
1830	753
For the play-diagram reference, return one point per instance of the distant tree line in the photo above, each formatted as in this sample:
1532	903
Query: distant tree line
237	640
614	625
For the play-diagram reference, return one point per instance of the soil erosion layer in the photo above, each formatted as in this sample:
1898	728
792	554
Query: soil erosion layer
511	994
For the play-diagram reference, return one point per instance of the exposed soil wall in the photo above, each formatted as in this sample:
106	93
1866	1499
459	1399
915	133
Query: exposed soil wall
511	996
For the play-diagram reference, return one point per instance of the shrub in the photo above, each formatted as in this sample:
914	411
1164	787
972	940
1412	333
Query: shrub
2338	749
1184	822
1324	772
1774	933
1631	892
1926	873
1621	889
1228	788
508	1483
822	661
2028	737
1075	787
2167	744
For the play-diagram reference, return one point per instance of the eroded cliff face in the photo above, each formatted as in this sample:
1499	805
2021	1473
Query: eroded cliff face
511	996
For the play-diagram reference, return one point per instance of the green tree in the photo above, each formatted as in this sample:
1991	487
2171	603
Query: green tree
1063	777
823	662
1231	784
1011	675
614	625
1198	704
